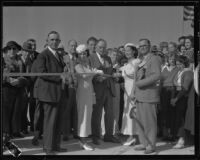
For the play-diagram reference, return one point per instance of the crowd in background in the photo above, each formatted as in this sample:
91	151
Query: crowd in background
97	95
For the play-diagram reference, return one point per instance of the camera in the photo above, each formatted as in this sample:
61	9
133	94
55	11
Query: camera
12	148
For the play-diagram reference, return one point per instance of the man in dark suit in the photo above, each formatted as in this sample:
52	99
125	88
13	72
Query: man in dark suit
48	90
147	97
30	59
104	90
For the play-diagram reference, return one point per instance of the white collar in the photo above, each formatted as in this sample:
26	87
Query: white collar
52	51
98	55
100	58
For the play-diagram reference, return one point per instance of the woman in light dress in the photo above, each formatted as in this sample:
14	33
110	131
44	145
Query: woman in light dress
84	95
128	73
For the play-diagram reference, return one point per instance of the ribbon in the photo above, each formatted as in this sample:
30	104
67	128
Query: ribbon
48	74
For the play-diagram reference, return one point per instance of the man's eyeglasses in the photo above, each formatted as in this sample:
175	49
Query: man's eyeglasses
143	46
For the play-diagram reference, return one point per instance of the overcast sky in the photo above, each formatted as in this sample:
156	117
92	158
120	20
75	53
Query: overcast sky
117	25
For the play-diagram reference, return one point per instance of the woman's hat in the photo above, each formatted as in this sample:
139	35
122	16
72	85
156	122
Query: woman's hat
12	44
81	48
129	44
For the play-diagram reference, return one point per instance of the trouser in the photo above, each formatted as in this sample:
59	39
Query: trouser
105	101
70	115
146	114
24	118
52	125
38	119
116	108
32	108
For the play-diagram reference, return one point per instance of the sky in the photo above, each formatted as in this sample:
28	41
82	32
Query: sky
117	25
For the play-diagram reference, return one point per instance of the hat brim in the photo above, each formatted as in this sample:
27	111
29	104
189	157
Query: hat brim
7	47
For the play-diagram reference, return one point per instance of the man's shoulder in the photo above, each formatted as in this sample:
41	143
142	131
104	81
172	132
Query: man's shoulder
45	52
155	59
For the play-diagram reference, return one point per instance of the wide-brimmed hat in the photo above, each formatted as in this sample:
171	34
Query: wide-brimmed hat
27	46
12	44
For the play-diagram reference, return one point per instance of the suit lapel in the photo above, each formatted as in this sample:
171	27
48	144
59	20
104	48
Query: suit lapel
97	60
59	61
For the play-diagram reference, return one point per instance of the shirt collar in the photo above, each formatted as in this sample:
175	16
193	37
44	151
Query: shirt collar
52	51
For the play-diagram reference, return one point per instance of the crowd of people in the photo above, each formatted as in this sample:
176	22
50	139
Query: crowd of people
139	91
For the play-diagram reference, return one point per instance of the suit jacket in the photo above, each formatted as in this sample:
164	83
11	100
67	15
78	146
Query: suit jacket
48	88
108	83
147	77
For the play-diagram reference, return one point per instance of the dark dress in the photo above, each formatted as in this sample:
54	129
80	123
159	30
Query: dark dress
189	118
12	97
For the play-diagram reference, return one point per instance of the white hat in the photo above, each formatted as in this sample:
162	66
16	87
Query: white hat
129	44
81	48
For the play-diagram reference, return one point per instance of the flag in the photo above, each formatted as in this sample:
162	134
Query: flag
188	14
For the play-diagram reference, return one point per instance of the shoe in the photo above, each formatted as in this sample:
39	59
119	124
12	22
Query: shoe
50	152
65	138
40	137
76	137
18	135
111	139
35	142
180	144
86	147
149	151
130	142
96	141
60	149
139	148
25	132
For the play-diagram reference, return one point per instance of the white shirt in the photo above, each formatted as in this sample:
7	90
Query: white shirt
101	59
52	51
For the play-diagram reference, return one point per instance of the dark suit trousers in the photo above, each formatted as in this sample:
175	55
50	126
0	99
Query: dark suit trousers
51	129
24	117
146	114
38	119
105	101
32	107
70	117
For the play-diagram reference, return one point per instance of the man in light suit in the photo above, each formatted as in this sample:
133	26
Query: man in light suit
104	90
48	91
147	97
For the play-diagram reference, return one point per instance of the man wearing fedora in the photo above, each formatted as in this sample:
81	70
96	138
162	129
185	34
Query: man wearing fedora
147	97
25	68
